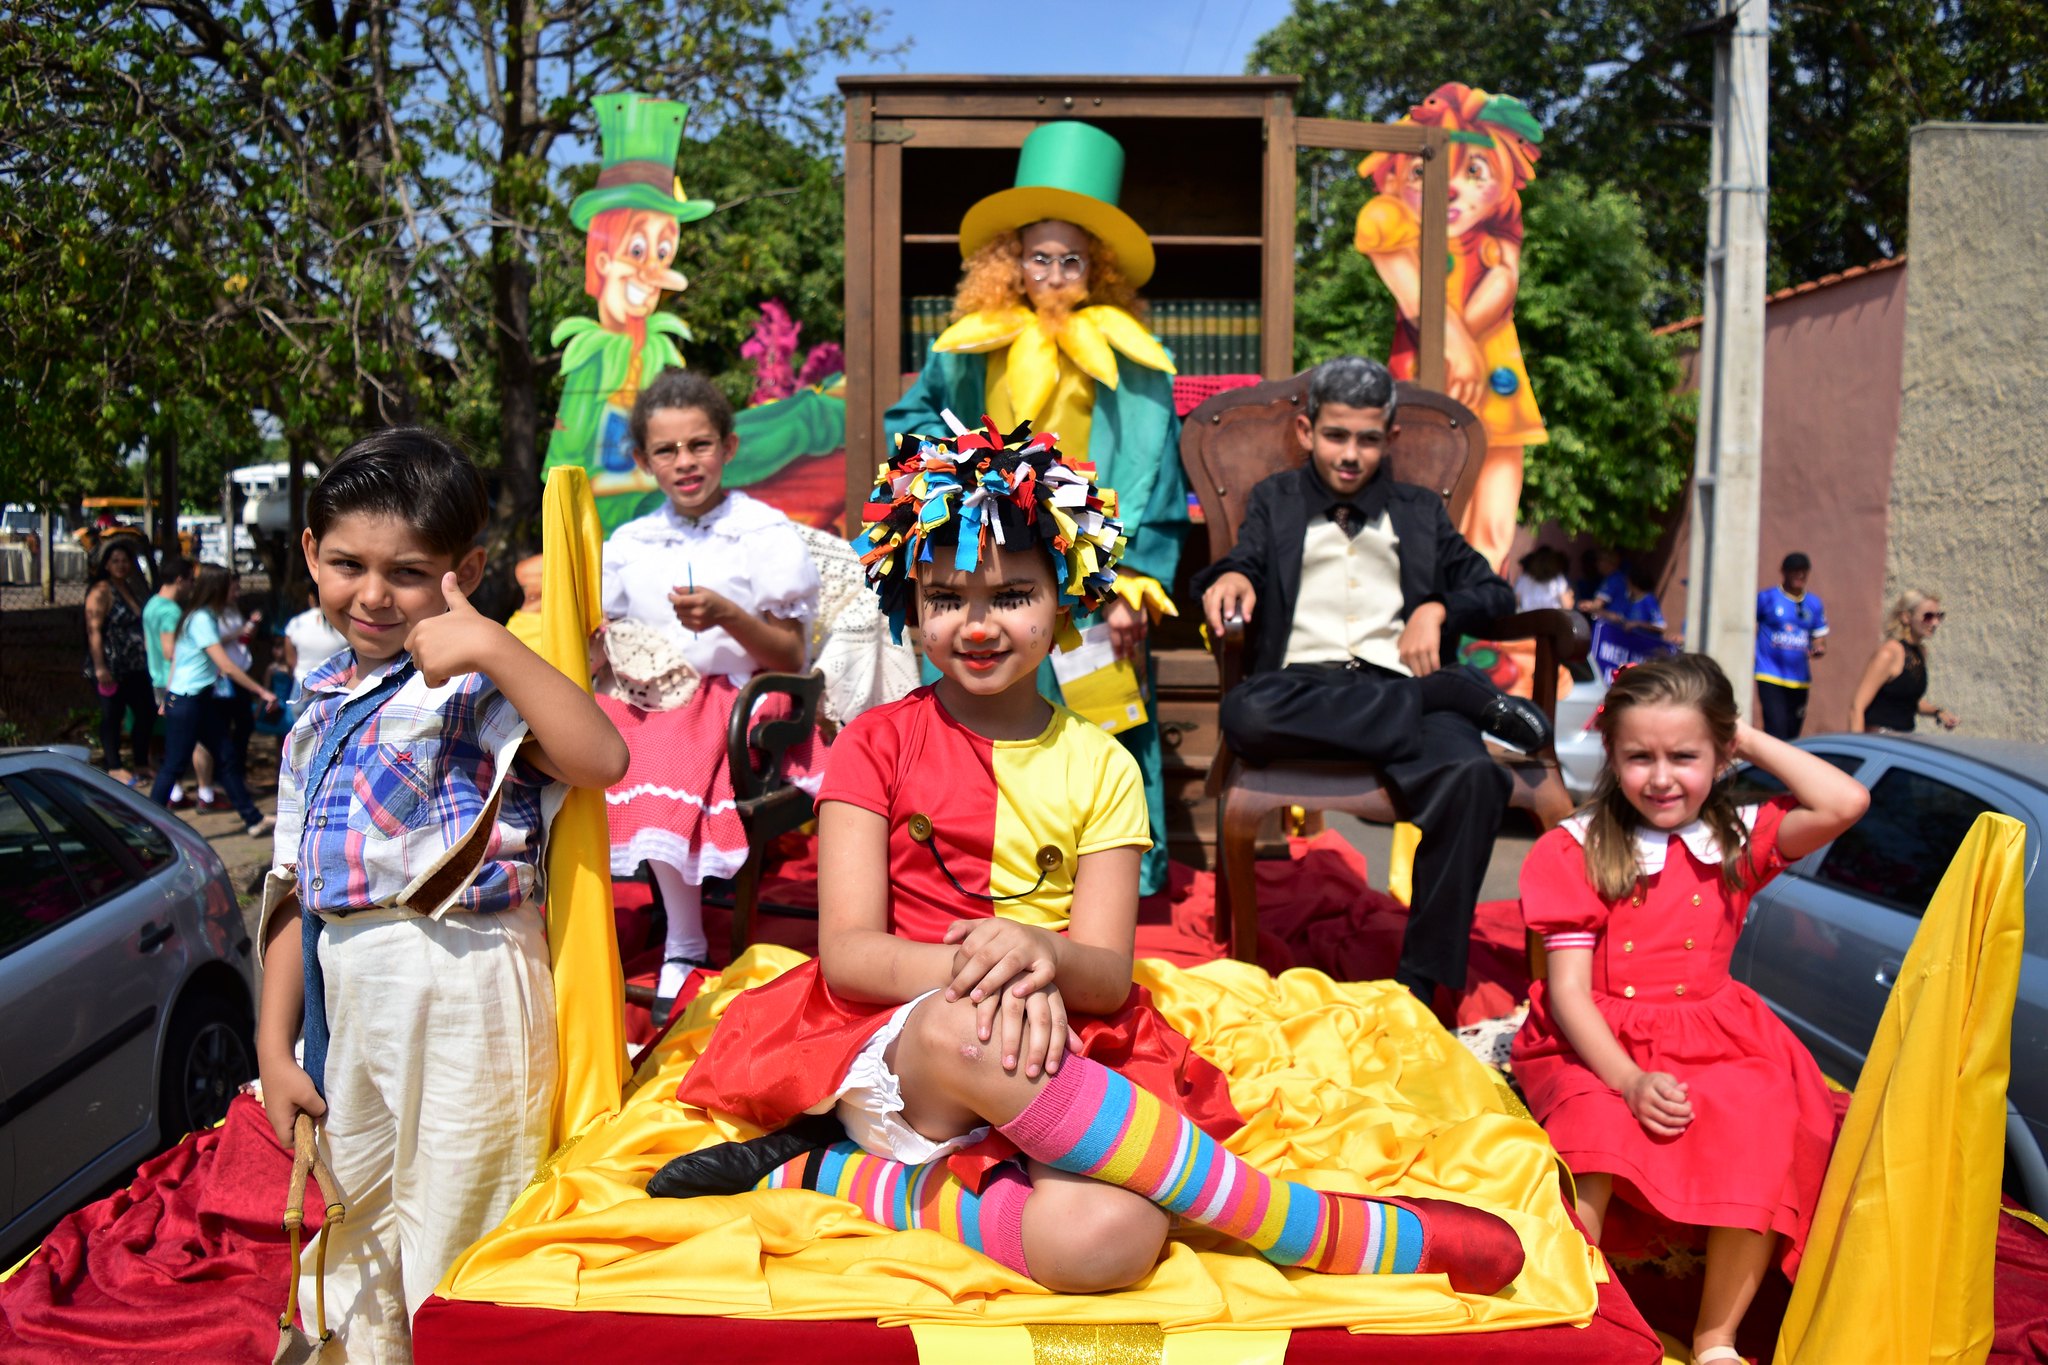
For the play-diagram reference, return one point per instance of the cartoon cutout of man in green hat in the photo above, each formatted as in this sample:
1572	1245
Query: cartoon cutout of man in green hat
632	222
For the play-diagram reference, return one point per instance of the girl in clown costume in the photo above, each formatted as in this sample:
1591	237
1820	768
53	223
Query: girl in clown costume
970	1019
1047	331
1494	147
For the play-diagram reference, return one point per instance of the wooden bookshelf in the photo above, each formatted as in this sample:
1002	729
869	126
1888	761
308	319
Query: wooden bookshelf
1209	173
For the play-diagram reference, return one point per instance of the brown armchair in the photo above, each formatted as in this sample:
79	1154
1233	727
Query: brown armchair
1229	444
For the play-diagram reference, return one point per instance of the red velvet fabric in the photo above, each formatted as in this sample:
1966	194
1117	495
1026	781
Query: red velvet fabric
1315	910
189	1263
449	1332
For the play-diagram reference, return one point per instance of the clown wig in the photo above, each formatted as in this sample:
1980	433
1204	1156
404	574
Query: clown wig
980	489
993	277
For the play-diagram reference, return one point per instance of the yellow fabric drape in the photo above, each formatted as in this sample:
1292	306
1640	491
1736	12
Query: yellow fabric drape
583	945
1137	1343
1899	1263
1027	363
1350	1087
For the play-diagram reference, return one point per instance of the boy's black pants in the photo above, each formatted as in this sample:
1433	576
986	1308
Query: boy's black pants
1442	777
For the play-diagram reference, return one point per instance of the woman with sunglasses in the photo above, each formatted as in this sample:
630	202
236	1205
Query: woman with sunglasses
1893	690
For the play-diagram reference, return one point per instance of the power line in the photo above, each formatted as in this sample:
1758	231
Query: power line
1193	29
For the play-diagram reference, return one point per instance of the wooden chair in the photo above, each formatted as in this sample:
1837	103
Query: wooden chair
769	804
1227	445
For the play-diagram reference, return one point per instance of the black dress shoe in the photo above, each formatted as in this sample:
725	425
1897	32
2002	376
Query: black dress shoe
736	1167
1516	721
665	1005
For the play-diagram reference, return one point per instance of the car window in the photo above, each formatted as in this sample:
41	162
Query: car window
150	846
98	872
1899	850
1752	783
40	893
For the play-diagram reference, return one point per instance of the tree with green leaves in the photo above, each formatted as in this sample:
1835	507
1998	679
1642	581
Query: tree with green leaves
350	212
1624	90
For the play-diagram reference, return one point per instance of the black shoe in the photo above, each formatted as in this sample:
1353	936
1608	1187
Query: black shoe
1516	721
736	1167
665	1005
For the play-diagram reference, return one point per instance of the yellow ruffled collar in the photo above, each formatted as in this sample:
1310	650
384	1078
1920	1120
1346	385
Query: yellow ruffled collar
1091	339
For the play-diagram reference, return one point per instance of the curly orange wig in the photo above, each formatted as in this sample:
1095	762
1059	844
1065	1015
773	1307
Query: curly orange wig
993	277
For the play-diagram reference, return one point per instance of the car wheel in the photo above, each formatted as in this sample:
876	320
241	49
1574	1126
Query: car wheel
209	1053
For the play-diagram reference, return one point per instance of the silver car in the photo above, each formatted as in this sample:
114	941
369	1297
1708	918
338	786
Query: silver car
125	986
1826	938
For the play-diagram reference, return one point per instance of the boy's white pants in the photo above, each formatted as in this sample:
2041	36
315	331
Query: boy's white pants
440	1087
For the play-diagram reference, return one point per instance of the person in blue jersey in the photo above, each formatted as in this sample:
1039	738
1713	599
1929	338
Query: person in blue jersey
1791	632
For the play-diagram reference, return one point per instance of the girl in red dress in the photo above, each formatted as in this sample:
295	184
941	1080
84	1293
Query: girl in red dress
978	892
1654	1073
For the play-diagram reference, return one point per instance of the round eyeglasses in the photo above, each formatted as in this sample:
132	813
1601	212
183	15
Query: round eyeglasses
1042	267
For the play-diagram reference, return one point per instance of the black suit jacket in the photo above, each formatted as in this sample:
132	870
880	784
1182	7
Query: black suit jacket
1437	564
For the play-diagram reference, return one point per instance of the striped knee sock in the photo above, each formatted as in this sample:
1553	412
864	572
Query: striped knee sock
930	1196
1089	1120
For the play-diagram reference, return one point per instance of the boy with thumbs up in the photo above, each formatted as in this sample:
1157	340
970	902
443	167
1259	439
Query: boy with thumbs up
410	811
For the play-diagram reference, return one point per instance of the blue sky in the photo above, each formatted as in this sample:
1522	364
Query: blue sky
1120	37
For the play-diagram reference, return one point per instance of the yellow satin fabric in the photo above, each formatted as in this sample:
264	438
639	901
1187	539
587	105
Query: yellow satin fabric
1345	1086
1049	378
1899	1263
1129	1343
1144	594
583	945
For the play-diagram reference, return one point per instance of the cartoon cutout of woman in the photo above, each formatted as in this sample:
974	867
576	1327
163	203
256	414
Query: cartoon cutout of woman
1493	145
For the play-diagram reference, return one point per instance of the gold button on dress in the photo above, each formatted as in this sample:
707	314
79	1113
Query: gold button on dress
1629	991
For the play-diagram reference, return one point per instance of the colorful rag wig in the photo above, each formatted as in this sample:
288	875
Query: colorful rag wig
979	489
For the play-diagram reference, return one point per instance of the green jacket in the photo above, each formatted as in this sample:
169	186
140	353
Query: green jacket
1134	442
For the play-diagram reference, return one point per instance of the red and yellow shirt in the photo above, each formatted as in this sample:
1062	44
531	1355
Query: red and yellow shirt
992	805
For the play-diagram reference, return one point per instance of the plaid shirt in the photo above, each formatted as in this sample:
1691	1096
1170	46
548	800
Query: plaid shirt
418	775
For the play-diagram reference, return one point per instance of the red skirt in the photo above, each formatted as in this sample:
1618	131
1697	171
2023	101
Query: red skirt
1763	1122
675	804
785	1046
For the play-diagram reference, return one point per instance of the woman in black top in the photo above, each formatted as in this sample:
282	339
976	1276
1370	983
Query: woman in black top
115	657
1893	691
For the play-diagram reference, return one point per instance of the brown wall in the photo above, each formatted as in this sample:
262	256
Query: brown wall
1832	365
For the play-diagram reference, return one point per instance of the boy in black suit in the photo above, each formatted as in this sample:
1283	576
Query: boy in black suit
1355	588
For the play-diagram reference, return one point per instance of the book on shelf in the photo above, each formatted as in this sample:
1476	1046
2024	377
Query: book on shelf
1206	336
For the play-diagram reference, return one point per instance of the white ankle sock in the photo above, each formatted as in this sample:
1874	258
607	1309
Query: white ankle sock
684	902
206	794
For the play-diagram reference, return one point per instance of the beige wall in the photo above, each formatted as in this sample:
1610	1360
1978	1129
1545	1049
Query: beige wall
1969	496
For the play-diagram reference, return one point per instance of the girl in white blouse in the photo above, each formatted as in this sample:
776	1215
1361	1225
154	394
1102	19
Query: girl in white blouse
727	584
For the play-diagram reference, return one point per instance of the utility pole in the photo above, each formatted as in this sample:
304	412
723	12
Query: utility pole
1727	489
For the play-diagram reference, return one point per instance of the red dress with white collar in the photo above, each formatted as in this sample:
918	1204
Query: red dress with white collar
1763	1120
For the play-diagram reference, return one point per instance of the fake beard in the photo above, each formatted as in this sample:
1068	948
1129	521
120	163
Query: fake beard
1053	308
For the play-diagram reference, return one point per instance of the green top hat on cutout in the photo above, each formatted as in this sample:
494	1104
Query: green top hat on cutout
638	137
1073	172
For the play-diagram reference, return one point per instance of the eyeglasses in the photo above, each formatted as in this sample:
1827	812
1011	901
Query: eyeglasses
1934	616
1042	267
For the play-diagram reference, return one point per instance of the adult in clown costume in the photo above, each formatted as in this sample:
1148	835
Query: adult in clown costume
1494	146
632	221
1047	331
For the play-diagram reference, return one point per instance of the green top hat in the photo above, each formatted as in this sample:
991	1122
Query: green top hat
1073	172
639	137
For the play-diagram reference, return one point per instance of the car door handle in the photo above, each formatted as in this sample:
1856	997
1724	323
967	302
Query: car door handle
1887	972
154	937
